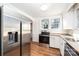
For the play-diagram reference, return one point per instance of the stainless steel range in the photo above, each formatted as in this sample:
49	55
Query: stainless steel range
44	37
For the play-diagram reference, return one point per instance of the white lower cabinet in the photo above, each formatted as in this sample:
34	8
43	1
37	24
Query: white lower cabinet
52	41
62	45
57	42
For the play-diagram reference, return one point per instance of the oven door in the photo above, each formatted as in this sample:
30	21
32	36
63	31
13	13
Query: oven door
43	39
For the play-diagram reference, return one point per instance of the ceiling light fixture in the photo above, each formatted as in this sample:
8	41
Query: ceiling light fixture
44	7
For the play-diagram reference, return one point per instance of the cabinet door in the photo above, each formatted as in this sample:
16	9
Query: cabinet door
52	41
62	44
57	42
77	17
68	20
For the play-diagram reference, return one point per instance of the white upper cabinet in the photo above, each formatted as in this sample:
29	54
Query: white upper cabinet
77	16
71	18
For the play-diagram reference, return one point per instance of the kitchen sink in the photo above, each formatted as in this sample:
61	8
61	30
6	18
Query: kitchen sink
67	34
70	39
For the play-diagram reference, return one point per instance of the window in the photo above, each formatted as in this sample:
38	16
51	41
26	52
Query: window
55	23
45	23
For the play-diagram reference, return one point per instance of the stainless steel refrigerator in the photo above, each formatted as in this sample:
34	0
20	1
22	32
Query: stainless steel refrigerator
16	37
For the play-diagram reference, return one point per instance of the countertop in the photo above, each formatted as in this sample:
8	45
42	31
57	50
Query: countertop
74	44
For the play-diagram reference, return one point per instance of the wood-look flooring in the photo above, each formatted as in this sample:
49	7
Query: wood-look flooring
42	50
33	49
16	51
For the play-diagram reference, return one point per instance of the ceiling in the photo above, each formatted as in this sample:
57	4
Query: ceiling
33	9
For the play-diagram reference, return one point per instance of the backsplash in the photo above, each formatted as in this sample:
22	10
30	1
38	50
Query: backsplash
74	33
68	31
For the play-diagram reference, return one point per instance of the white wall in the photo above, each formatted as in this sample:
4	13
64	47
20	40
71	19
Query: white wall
37	27
36	30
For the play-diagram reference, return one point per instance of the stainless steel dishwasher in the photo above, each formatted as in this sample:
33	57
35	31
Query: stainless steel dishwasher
70	51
